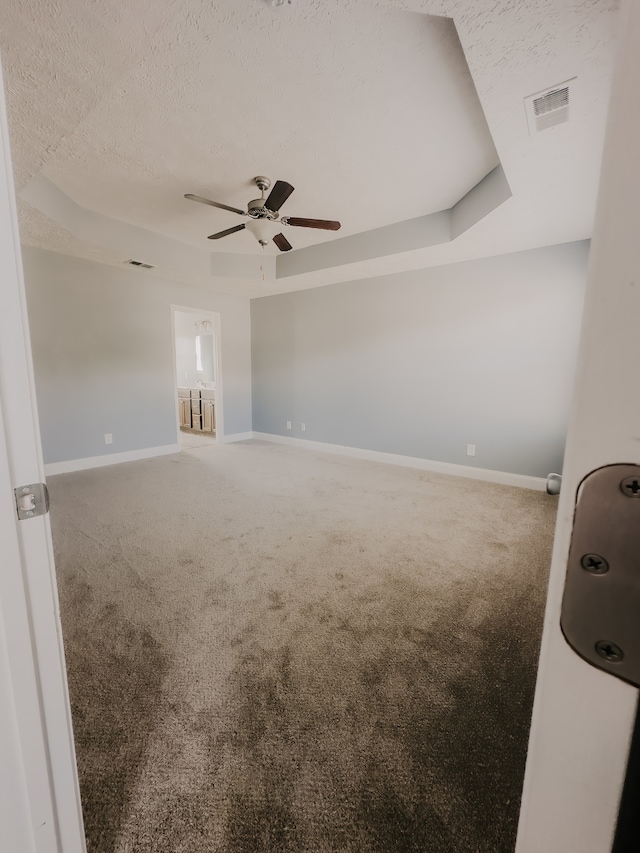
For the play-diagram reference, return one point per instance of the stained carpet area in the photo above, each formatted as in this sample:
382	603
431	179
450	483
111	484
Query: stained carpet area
271	649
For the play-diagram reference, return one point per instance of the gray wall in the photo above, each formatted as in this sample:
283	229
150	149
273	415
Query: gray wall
102	353
424	363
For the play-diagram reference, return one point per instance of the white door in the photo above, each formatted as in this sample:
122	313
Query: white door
583	717
39	800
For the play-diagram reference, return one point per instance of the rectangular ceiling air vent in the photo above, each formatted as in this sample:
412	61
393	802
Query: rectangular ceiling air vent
553	100
548	108
139	264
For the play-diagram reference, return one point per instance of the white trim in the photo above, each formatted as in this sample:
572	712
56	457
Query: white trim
217	344
506	478
70	465
238	436
41	810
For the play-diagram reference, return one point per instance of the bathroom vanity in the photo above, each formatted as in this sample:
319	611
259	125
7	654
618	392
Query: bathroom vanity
197	409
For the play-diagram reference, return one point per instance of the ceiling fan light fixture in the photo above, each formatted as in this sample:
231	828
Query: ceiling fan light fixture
264	215
261	230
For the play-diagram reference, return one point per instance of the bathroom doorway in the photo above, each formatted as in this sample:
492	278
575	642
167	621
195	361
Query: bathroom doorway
196	347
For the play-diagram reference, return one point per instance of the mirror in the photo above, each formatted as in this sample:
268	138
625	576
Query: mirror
204	358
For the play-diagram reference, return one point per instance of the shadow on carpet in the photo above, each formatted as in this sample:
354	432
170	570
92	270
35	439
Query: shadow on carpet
345	667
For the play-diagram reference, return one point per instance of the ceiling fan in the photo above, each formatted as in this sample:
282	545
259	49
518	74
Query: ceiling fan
264	211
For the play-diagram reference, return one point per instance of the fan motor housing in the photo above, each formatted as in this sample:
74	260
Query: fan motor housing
257	210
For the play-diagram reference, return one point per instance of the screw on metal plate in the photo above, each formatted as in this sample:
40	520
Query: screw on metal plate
595	564
602	587
630	487
609	651
32	500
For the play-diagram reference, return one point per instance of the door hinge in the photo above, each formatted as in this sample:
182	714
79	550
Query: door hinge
601	599
32	500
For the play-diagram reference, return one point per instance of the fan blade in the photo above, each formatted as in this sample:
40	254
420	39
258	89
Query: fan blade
325	224
192	197
278	195
225	233
282	243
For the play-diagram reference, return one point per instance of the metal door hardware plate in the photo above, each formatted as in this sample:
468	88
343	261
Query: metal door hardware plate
601	604
32	500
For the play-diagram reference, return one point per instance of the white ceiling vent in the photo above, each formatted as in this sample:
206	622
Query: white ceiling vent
548	108
139	264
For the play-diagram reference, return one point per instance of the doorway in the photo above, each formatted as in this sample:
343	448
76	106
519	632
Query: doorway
196	361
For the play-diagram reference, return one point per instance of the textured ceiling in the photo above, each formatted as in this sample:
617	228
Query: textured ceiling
368	107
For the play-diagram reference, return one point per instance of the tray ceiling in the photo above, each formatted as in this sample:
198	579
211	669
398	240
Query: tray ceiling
376	112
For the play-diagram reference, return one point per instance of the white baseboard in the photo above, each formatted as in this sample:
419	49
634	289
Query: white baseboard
70	465
505	478
237	436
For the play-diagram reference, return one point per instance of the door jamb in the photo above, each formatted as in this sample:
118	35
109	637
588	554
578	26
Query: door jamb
30	620
216	320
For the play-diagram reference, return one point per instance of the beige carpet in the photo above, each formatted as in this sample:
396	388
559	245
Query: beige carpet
272	649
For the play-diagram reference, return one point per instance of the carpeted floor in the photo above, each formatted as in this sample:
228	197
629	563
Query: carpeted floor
276	650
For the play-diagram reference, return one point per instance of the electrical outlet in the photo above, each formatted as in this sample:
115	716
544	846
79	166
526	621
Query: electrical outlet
288	424
302	427
471	450
108	438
